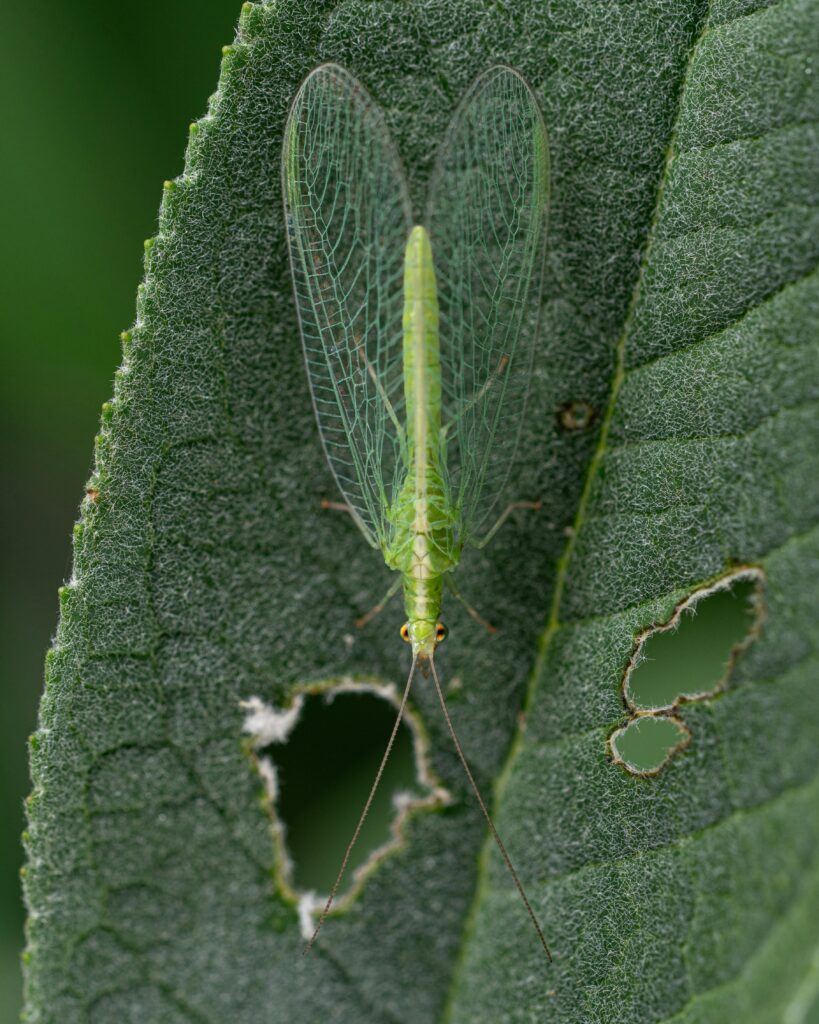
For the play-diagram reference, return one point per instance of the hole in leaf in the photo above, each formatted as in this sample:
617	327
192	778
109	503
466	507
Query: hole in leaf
576	416
325	771
647	742
691	655
318	760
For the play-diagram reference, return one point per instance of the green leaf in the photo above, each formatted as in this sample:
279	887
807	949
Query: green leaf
672	434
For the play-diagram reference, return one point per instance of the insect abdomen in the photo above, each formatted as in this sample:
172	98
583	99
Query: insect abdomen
422	517
422	354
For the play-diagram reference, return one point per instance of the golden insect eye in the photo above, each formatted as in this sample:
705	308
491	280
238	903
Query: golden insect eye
405	632
440	633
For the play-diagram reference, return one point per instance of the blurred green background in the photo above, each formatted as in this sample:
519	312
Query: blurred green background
95	99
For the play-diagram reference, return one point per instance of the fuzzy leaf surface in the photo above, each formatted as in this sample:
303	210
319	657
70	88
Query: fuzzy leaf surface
680	311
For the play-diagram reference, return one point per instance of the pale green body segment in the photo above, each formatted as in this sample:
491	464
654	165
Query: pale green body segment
423	544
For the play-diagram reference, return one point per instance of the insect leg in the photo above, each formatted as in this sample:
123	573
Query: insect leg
486	814
362	355
536	505
471	611
341	506
478	396
371	614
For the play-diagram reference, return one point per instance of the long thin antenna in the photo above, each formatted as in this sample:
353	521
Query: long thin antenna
364	813
486	814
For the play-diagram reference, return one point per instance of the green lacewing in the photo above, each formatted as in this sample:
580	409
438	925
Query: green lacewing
418	336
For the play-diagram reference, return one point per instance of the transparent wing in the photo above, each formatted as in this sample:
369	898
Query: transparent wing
487	221
348	215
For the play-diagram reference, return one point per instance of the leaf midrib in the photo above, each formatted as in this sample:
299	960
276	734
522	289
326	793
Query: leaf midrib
553	623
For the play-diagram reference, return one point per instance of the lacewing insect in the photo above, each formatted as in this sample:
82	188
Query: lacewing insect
418	337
